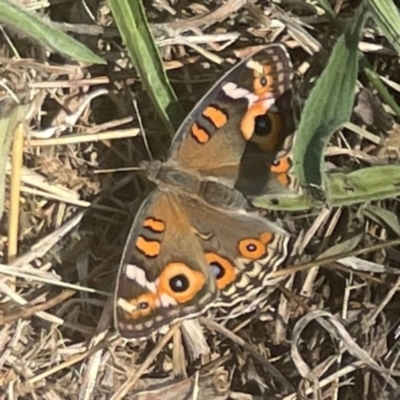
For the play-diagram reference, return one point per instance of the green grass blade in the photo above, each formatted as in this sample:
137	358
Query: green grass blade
132	24
375	80
327	7
388	219
387	17
327	108
32	26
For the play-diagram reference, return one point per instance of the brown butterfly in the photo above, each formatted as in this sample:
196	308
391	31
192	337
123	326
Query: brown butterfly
194	244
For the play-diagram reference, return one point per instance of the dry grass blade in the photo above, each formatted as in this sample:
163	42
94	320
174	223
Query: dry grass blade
72	360
236	339
68	206
33	310
11	114
336	329
74	139
203	385
202	21
45	244
94	361
15	184
128	385
194	339
9	293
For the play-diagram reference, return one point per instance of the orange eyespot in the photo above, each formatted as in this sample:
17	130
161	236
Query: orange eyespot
252	249
281	168
180	282
262	83
144	305
222	269
267	131
150	248
281	165
261	86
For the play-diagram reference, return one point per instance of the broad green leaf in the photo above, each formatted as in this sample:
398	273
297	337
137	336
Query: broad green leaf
293	202
36	28
387	17
328	107
367	184
131	21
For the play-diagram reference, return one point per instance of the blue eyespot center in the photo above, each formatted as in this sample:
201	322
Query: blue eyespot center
179	283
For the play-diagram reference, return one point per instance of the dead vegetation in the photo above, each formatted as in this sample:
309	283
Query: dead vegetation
329	331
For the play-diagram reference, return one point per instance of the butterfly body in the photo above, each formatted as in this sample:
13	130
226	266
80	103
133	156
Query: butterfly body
212	191
194	244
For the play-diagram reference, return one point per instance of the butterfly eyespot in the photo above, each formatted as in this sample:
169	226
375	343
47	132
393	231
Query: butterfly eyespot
253	249
264	81
143	305
138	307
179	283
217	270
222	269
281	165
262	125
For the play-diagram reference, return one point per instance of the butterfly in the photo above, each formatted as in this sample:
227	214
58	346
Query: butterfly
195	243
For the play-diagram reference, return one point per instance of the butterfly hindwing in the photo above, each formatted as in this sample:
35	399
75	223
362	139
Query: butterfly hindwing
241	248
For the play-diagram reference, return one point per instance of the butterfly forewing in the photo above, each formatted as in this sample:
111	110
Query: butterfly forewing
240	108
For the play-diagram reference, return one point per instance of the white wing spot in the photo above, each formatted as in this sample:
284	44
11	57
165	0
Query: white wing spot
255	65
167	301
138	275
233	91
125	305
